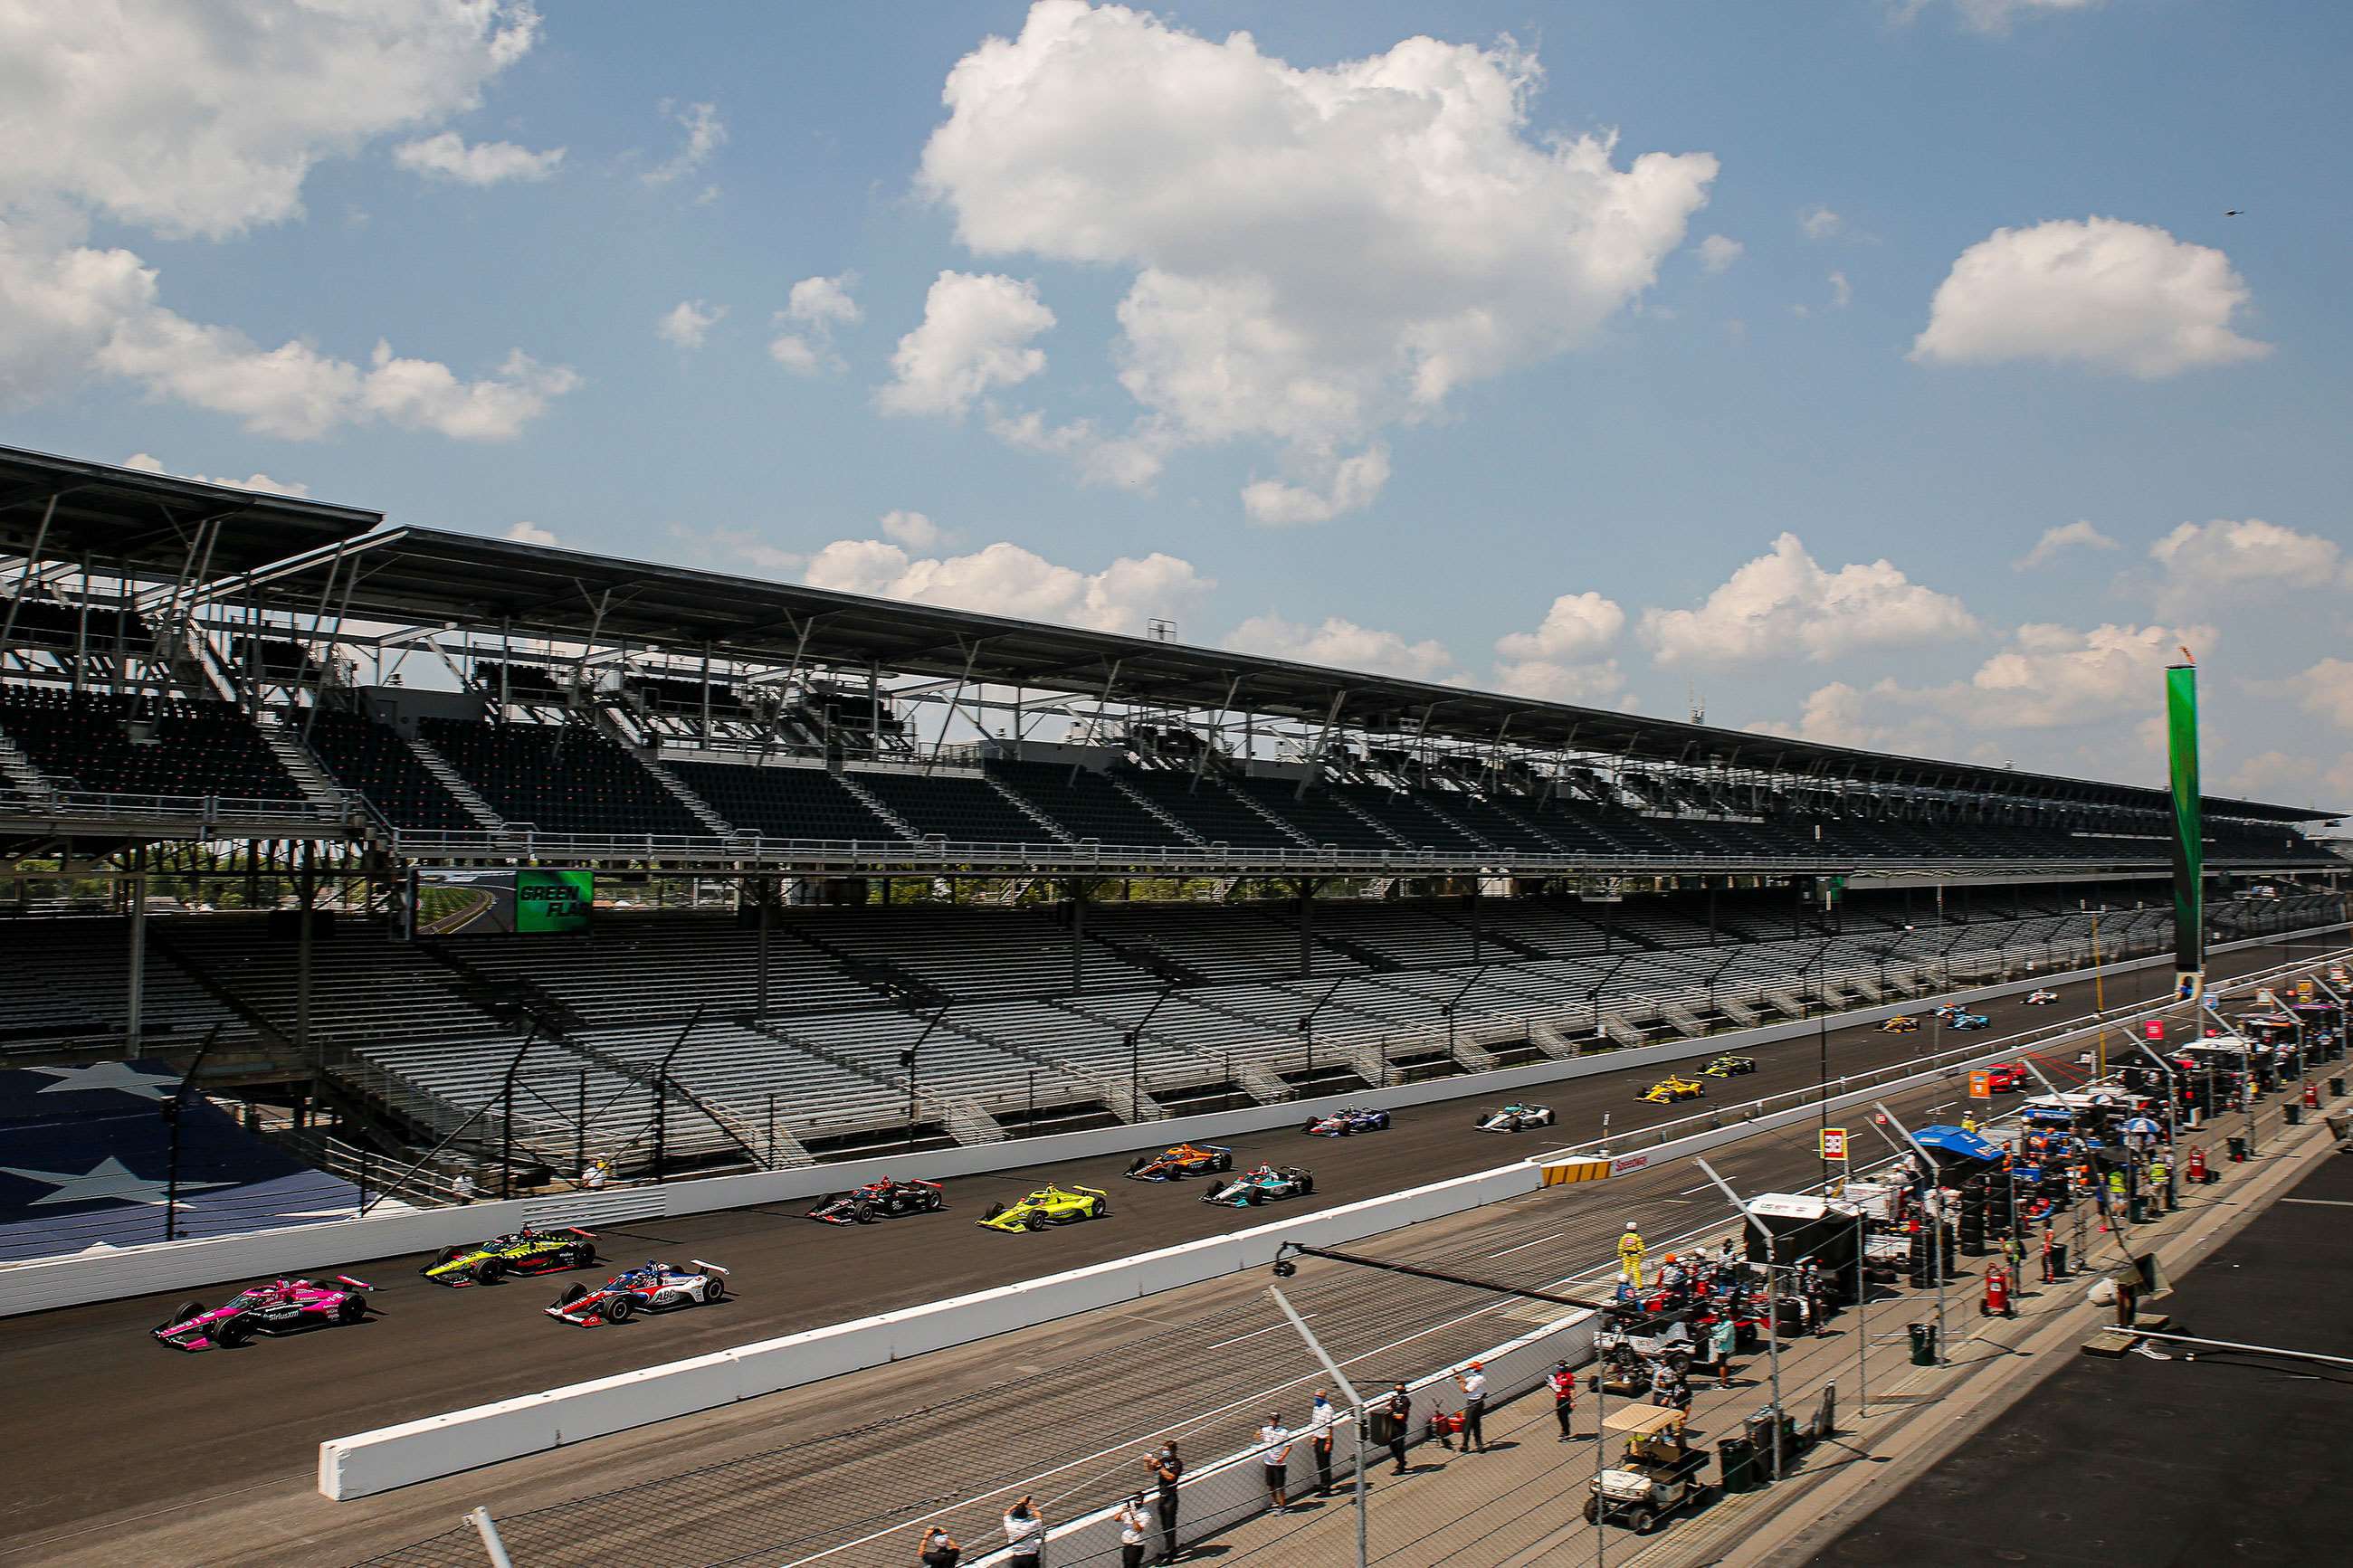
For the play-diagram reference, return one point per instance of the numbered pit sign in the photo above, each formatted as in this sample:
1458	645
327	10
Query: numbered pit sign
1980	1086
2154	1028
1834	1144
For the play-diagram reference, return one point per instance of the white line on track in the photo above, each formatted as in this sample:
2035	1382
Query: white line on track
1523	1247
1254	1333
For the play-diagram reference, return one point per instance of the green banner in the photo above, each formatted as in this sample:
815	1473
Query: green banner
2188	825
553	901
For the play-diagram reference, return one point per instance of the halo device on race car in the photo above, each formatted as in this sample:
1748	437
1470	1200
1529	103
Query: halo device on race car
1347	1120
279	1307
880	1200
524	1251
1184	1160
1671	1089
1048	1205
1264	1185
1511	1118
652	1287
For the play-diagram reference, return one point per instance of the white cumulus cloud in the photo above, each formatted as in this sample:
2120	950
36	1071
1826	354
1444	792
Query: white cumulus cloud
1356	483
1783	604
1996	16
1317	252
449	156
2326	692
974	337
815	307
531	533
2114	296
2055	542
1566	657
689	322
1343	644
913	530
705	134
1002	579
2198	560
261	483
205	120
2048	677
1818	222
1717	254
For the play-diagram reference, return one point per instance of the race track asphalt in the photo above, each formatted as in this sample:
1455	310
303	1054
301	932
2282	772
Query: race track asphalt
136	1428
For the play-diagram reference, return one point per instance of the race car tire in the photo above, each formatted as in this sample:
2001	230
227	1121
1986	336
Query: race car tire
617	1309
1592	1507
446	1255
862	1211
351	1308
714	1289
934	1202
1306	1185
572	1292
994	1210
584	1254
1254	1196
1033	1222
1100	1211
1222	1162
1307	1127
1135	1164
490	1270
232	1333
182	1313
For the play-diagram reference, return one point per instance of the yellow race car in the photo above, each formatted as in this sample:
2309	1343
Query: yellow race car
1900	1027
1050	1205
1671	1089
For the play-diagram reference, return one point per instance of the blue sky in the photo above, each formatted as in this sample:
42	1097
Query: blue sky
1611	351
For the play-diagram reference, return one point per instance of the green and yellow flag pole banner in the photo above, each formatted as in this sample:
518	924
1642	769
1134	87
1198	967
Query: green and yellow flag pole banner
2188	831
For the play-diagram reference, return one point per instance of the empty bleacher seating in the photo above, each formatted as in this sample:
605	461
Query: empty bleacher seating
365	756
143	745
561	778
784	802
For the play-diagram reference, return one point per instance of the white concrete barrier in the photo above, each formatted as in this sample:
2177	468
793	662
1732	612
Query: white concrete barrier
393	1457
41	1284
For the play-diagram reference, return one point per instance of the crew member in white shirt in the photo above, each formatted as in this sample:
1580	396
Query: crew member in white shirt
1024	1534
1320	1420
1274	1444
1473	1380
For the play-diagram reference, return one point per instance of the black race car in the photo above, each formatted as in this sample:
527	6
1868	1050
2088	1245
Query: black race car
880	1200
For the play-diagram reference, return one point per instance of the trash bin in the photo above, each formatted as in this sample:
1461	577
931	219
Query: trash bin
1923	1345
2059	1260
2337	1085
1738	1459
2291	1113
2238	1146
2139	1209
1760	1446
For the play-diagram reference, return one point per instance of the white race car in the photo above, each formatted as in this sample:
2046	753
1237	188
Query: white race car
1513	1117
2040	998
655	1287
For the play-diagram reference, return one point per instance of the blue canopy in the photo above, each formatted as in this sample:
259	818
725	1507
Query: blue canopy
1945	1139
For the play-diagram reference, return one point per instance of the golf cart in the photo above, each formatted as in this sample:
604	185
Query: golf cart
1659	1474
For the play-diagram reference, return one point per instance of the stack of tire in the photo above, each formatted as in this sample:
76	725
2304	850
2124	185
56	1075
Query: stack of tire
1973	1220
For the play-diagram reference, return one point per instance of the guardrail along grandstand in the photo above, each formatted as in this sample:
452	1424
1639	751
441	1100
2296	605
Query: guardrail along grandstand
943	877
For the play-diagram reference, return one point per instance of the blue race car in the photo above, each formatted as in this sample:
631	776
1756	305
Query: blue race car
1348	1119
1263	1184
1956	1019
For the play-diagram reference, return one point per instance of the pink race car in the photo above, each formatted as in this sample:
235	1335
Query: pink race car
280	1307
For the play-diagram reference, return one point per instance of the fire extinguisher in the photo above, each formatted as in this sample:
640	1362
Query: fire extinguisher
2311	1095
1997	1303
2199	1174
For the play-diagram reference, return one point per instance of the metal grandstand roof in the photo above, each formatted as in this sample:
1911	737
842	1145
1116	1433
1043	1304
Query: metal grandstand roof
419	574
155	525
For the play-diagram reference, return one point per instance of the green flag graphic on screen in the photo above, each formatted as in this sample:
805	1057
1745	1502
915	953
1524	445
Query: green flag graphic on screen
2188	827
553	901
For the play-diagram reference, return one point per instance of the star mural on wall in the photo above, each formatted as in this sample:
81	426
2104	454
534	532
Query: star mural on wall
124	1076
108	1181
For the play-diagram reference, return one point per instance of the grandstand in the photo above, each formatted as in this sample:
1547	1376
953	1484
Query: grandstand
955	878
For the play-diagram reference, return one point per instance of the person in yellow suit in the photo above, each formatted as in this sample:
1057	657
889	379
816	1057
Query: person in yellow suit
1630	1256
1969	1121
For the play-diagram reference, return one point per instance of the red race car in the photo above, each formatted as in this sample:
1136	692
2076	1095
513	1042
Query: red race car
2003	1077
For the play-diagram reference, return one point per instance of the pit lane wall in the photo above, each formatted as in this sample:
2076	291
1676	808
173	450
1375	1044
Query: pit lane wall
1216	1496
41	1284
393	1457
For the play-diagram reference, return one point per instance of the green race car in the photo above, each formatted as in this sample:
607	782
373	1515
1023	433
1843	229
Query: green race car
1049	1206
1729	1066
525	1251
